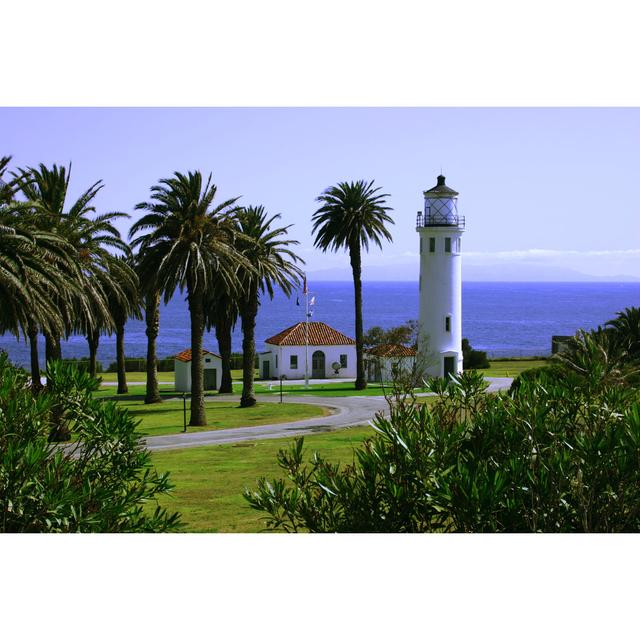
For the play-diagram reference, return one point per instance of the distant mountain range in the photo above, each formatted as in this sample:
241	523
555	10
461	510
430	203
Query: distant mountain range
511	272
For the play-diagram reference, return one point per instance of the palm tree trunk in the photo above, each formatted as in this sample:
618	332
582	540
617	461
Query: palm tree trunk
59	427
223	335
248	314
60	430
36	384
120	359
52	349
356	268
152	317
196	310
93	339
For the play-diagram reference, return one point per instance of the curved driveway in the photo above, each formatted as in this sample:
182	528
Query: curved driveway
347	411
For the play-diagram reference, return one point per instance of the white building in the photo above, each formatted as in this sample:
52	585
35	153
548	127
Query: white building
211	363
327	352
384	360
440	324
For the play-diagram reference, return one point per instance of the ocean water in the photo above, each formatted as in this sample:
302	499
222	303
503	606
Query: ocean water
504	319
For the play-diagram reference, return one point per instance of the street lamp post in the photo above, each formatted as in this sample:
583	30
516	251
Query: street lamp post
184	412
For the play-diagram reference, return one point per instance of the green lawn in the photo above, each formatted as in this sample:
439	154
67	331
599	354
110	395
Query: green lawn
136	376
168	417
511	368
137	392
209	481
331	389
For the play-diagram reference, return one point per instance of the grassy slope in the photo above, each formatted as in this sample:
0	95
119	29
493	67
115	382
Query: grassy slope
511	368
168	418
210	480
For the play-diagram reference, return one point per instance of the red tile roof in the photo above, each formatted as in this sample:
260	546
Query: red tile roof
320	335
392	351
185	356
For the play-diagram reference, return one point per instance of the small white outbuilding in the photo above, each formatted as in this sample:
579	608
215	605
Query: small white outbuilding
327	353
211	363
384	360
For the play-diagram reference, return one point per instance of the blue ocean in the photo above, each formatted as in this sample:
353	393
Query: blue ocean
504	319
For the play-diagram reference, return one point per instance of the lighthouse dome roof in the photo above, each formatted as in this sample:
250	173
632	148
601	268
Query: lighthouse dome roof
441	190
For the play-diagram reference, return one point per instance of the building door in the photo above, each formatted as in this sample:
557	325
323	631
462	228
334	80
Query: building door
317	365
265	370
210	379
449	366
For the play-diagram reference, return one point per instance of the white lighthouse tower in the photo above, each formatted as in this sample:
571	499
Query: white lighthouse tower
440	326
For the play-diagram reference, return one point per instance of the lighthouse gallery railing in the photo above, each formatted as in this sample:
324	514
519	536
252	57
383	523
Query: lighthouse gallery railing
440	220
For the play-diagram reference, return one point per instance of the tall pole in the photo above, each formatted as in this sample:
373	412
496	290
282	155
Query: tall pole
306	335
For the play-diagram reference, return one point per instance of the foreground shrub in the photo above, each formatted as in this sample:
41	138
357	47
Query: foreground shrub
101	482
556	455
549	372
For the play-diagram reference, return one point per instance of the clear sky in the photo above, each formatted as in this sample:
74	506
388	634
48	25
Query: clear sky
546	192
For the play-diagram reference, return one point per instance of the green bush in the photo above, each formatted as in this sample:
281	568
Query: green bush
103	481
547	373
236	360
472	359
82	364
556	455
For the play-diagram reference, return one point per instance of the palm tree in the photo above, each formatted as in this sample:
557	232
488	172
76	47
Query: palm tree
83	304
598	358
221	310
122	308
119	284
33	263
626	328
150	295
189	244
351	216
272	264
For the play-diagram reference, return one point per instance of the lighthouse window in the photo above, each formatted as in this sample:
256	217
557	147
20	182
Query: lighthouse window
420	245
447	324
447	245
432	245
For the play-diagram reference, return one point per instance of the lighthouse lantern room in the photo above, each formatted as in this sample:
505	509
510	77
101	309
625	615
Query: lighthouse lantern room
440	324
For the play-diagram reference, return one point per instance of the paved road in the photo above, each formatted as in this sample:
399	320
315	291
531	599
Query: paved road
346	412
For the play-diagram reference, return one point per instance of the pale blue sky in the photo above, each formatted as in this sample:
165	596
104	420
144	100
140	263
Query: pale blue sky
543	190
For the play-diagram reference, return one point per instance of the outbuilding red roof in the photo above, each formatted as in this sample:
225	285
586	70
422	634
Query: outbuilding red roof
185	356
392	351
320	335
